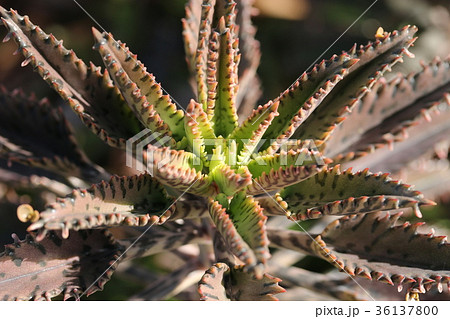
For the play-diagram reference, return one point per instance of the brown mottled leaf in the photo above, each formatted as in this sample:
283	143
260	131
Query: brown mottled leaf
162	238
210	286
373	246
35	133
89	92
374	59
301	99
249	91
171	284
290	239
222	252
431	176
329	286
24	177
332	192
392	110
410	143
220	282
135	201
191	28
190	206
31	269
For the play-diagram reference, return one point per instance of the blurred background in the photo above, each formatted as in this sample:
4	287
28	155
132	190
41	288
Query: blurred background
292	33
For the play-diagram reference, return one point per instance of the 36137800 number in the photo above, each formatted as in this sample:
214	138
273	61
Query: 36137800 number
406	310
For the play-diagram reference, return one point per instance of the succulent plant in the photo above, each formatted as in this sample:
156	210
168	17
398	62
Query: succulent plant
214	181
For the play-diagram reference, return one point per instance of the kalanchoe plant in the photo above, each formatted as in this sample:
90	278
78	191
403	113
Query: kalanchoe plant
217	182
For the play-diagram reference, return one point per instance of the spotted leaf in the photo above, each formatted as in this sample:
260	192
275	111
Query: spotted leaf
231	181
31	269
242	225
373	246
248	135
374	59
332	192
191	28
162	238
35	133
89	92
249	83
290	239
394	110
220	282
225	117
179	170
273	172
303	97
42	184
135	201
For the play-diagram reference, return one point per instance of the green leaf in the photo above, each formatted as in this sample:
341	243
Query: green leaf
273	172
198	129
249	220
178	169
302	98
232	238
301	157
88	91
374	59
230	181
220	282
139	88
332	192
225	117
135	201
144	81
201	53
248	135
31	269
373	246
37	134
242	226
